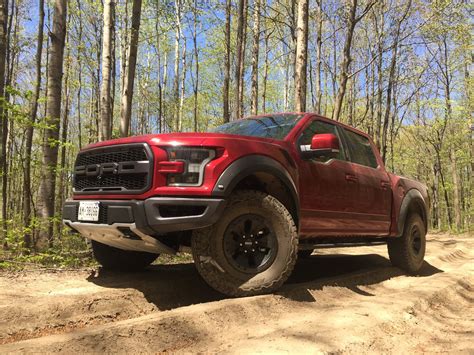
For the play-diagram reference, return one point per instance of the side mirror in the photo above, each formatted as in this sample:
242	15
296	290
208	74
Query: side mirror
324	144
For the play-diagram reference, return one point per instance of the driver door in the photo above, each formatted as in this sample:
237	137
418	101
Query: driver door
328	187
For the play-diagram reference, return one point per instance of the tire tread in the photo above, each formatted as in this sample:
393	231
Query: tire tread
201	236
399	248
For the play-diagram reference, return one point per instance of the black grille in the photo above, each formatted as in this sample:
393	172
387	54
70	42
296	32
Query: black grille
112	182
122	155
117	169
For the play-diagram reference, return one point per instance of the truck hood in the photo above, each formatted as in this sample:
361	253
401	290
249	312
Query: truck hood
177	139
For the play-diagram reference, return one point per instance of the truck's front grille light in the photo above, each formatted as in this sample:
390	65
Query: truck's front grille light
195	161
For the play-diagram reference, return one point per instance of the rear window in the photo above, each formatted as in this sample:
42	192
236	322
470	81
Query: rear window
360	149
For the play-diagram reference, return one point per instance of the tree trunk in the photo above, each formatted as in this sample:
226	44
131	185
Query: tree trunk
239	58
456	183
50	146
183	88
79	89
27	195
4	125
391	81
164	90
176	64
319	48
196	64
286	92
105	99
265	74
127	94
255	52
114	72
347	59
379	29
96	76
64	135
443	184
436	211
242	62
159	76
301	56
124	47
225	93
454	170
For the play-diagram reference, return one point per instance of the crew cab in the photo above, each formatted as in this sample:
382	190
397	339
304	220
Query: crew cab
246	199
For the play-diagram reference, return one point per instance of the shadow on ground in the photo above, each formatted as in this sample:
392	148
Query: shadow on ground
179	285
342	270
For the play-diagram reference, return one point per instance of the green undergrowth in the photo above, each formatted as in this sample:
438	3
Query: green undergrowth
179	258
68	251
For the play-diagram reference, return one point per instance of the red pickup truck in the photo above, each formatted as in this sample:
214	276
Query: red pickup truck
247	199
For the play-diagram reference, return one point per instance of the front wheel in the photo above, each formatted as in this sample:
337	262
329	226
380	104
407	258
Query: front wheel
408	251
251	250
118	259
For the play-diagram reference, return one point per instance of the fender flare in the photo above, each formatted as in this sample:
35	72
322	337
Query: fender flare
251	164
413	196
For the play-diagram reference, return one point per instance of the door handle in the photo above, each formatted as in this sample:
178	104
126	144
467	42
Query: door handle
385	184
351	178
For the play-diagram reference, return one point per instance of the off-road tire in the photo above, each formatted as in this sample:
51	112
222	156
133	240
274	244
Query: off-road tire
123	260
216	269
305	253
407	252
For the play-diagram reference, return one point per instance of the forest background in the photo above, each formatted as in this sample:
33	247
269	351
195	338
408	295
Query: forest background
74	72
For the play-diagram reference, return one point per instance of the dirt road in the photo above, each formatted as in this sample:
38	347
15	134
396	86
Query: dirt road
338	300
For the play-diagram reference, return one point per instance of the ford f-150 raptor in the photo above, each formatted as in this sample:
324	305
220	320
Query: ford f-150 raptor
247	199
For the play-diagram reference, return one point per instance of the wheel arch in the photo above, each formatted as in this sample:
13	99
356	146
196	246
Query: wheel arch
260	173
413	202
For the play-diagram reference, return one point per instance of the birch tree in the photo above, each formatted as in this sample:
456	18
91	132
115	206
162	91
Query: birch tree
301	56
129	79
226	84
240	57
105	98
255	56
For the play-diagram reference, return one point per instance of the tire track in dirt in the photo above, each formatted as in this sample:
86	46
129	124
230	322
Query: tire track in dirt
45	303
324	299
440	323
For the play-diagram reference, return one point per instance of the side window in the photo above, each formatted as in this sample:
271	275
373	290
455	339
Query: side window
319	127
360	149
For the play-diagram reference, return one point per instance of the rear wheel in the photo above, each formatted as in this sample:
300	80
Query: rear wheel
251	250
124	260
408	251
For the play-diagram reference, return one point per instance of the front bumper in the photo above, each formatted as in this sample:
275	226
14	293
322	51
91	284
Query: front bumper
137	225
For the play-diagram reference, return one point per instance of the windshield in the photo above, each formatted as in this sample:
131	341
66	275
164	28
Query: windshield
274	126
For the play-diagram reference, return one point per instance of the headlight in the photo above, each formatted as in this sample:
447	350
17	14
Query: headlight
194	159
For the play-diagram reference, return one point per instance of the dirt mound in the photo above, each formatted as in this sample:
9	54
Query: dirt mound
339	300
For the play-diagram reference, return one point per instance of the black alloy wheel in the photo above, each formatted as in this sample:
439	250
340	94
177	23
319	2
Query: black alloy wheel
250	243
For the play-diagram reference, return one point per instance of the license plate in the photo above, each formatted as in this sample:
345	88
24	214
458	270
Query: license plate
88	211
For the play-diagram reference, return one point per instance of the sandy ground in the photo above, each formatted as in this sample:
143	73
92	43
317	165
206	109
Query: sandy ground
348	300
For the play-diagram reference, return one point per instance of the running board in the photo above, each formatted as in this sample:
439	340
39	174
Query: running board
341	242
